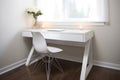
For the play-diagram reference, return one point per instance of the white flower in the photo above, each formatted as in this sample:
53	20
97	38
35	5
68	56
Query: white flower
35	10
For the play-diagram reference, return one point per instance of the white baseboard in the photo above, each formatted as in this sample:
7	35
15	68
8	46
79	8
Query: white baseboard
69	58
96	63
107	65
12	66
17	64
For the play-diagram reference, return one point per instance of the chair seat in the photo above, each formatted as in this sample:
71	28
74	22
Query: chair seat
54	49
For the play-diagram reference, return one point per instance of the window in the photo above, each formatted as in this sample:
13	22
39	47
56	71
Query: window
73	10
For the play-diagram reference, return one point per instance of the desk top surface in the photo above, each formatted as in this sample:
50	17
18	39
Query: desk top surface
74	31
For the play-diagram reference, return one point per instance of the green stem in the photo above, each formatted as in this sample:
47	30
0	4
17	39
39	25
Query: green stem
35	24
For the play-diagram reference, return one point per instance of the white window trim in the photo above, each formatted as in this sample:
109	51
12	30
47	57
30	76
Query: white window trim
75	23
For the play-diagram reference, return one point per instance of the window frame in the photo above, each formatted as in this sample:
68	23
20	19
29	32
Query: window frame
76	21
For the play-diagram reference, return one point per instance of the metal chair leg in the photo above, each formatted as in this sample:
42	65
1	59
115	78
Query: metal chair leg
58	65
48	68
36	66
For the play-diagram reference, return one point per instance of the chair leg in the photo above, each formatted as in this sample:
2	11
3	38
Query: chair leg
36	66
59	65
48	68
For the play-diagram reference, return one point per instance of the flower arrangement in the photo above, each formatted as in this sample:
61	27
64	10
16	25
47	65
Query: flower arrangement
35	12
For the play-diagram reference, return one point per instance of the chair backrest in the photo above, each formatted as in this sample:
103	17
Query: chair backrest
39	42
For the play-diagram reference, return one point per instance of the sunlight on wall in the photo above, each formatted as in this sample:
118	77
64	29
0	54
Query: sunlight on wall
46	26
81	27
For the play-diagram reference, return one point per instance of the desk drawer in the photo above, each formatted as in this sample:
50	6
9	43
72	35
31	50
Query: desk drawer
64	37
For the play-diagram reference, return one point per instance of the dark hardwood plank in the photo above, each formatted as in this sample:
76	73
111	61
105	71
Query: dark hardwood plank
71	72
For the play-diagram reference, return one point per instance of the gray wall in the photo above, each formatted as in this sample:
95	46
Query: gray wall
13	48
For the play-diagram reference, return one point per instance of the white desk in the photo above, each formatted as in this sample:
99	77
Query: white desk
68	37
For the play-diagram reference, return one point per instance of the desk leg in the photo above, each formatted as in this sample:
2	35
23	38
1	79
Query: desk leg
86	68
29	56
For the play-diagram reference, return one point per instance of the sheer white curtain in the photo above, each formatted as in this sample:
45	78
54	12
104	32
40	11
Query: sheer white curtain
49	9
99	10
86	10
81	10
77	8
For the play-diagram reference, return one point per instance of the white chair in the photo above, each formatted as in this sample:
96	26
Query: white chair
40	46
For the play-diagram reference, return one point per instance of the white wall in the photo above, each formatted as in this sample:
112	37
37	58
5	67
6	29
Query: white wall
13	48
12	22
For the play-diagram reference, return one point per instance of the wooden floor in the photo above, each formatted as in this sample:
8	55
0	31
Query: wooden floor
71	72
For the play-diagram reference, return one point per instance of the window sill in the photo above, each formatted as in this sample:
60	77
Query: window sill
74	23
